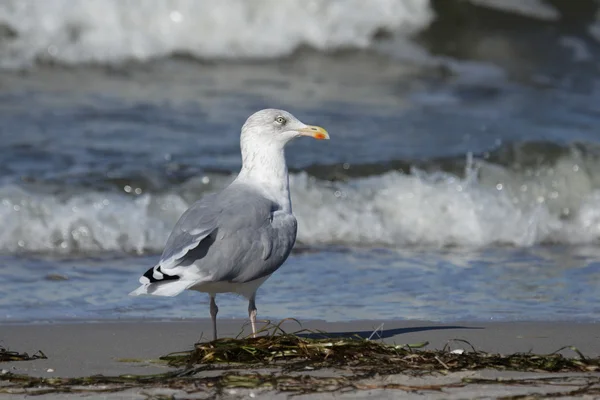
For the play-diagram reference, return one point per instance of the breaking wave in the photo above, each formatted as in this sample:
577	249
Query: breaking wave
114	31
108	31
510	198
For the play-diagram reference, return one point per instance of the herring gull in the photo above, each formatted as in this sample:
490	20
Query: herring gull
233	240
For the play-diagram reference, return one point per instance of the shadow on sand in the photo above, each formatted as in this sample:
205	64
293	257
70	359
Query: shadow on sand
379	333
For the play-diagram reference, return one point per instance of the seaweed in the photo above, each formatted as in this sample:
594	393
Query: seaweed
300	350
288	362
7	355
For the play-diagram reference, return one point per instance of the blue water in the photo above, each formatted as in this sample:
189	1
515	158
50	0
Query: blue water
540	283
463	184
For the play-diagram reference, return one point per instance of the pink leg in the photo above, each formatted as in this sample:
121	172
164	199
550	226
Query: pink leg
213	315
252	314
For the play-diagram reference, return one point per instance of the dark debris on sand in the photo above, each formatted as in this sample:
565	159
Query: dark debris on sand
296	352
7	355
289	362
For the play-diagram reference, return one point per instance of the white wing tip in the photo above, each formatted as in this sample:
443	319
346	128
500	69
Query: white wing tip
169	288
141	290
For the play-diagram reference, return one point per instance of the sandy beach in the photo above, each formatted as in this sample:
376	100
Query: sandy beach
117	348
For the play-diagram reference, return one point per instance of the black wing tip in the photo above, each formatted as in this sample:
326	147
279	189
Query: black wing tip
155	271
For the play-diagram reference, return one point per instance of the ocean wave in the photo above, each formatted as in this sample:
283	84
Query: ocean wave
109	31
115	31
491	205
523	203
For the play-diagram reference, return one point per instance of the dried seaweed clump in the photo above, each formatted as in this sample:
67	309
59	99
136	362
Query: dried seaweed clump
7	355
292	350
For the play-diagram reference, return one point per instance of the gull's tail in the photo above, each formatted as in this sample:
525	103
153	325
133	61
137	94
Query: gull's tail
157	283
169	288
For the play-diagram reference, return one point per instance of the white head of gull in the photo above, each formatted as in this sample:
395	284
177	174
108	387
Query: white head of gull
233	240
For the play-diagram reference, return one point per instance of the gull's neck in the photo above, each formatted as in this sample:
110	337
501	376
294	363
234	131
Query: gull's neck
265	167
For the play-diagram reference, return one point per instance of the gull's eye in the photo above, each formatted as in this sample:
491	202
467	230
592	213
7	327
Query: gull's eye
280	120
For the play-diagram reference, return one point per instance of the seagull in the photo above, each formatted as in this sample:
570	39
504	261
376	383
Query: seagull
233	240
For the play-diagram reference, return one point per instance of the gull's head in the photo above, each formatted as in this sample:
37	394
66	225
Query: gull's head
279	127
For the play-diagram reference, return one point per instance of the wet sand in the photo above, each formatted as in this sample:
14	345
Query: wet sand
115	348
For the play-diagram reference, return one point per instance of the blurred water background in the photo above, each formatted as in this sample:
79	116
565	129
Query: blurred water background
462	181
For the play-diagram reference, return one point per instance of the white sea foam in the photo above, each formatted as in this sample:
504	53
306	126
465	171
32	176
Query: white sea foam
108	31
90	221
113	31
441	209
492	205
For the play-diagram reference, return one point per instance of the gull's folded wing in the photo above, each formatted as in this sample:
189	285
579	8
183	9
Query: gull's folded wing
199	221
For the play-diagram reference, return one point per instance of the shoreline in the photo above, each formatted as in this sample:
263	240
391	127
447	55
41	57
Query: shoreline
133	347
76	349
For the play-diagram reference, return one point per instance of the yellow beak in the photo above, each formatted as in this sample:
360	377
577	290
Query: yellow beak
314	131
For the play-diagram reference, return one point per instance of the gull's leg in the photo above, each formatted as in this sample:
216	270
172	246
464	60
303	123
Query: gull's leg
252	314
213	315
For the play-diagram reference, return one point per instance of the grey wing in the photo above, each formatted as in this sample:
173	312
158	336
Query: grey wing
253	251
237	235
196	223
